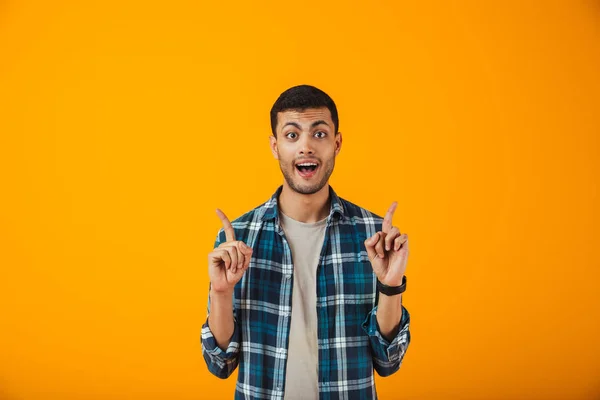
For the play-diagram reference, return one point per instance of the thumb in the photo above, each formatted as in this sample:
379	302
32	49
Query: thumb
370	245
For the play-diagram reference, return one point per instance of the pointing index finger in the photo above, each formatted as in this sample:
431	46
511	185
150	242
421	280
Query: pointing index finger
229	233
387	220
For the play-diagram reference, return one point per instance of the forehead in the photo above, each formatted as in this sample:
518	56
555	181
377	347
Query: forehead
304	117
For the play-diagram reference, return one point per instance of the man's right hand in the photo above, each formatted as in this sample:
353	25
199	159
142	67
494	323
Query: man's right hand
228	262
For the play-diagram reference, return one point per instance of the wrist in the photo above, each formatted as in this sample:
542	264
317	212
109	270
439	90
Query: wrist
221	294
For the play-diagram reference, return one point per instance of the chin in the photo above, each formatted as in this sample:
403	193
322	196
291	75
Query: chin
308	190
303	188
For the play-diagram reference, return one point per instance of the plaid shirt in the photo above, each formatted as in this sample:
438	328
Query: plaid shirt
350	345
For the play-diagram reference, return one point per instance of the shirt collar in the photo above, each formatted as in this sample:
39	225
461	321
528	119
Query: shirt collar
272	210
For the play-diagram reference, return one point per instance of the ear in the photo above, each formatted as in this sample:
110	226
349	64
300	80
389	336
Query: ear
338	142
273	143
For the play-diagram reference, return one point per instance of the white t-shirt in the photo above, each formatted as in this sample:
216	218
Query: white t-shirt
306	242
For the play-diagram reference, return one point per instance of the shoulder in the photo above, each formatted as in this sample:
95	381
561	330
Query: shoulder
358	223
359	215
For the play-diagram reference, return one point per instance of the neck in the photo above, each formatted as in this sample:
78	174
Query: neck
306	208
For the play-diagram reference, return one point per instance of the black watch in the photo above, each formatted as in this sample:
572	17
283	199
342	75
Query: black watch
392	290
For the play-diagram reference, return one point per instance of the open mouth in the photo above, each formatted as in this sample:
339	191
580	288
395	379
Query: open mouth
307	169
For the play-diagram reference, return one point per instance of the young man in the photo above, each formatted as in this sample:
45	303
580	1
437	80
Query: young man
306	289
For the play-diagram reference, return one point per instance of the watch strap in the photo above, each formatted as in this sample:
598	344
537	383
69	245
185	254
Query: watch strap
391	290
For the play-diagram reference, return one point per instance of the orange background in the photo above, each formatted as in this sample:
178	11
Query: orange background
123	126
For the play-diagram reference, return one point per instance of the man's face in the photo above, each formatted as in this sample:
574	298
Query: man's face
306	147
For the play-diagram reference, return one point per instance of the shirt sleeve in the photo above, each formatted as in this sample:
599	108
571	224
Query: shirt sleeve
220	363
387	356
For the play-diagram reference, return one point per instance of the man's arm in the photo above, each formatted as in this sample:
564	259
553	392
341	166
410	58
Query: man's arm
389	314
220	336
387	324
220	317
227	263
388	351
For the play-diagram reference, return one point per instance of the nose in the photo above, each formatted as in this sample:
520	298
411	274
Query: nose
305	145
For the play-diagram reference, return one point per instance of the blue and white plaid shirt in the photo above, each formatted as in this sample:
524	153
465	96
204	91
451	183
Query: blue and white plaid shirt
350	345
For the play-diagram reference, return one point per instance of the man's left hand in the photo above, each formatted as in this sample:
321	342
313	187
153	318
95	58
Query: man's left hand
388	251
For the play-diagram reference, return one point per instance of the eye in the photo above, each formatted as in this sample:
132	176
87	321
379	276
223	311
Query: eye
320	134
291	135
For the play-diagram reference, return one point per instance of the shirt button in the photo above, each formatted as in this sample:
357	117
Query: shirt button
287	314
288	277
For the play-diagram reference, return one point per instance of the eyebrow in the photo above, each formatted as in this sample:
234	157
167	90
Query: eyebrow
297	125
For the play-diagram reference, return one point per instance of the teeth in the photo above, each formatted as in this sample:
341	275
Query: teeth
307	165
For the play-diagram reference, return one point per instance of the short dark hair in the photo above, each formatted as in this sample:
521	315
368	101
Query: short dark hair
300	98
